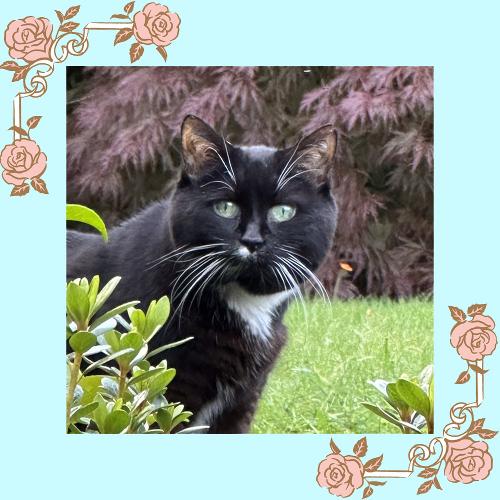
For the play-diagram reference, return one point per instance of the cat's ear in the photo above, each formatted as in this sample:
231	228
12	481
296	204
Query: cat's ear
200	142
316	151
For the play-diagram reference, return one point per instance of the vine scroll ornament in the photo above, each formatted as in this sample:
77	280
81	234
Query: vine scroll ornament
464	458
30	40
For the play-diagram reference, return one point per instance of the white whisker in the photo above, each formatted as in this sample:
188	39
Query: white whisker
230	172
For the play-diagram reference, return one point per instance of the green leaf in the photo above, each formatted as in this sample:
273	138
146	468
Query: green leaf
104	294
100	413
92	293
82	341
389	417
168	346
137	318
396	400
112	338
431	392
90	386
105	360
156	317
181	418
158	384
112	313
116	422
164	418
79	213
414	397
84	283
144	376
83	411
131	340
77	303
196	428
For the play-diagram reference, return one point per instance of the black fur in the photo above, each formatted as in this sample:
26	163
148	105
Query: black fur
225	362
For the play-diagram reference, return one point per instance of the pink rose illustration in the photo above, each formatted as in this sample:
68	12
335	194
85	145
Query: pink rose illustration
22	160
155	24
341	475
467	460
29	38
474	339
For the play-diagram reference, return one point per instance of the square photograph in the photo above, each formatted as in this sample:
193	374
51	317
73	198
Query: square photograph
250	250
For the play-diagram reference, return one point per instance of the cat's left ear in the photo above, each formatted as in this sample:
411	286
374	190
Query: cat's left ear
316	151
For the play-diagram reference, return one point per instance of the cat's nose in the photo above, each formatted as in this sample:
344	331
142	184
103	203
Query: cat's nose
253	244
252	238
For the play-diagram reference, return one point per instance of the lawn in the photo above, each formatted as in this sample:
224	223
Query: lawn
321	376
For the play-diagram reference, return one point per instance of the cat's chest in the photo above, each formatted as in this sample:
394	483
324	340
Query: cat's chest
255	314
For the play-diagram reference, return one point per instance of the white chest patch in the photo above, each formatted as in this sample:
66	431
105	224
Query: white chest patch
256	312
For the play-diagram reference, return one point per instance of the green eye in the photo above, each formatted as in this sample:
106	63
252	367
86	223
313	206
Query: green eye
226	209
282	213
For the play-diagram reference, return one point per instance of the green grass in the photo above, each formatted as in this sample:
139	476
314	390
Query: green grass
321	376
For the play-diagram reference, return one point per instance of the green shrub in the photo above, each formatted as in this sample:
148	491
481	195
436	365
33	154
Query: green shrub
129	396
409	405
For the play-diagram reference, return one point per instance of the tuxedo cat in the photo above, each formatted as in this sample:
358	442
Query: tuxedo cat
245	227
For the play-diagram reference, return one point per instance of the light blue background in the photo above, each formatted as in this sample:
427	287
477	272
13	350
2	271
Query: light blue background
459	38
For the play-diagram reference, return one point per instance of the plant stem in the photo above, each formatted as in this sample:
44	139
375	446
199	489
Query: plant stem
123	380
75	368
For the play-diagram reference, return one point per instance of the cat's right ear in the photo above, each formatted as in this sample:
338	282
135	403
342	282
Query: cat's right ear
199	143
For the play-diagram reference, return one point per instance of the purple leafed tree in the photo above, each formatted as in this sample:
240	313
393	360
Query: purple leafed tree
123	150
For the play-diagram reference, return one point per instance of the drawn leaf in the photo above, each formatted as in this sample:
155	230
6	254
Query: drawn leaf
377	483
477	369
33	121
39	185
463	377
476	309
437	484
163	52
476	426
129	7
10	66
373	464
334	447
72	12
457	314
60	16
360	448
18	130
119	16
487	433
123	34
425	487
69	27
21	190
20	73
136	51
428	472
367	492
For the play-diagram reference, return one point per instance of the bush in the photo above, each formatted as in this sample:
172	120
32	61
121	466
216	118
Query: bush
129	397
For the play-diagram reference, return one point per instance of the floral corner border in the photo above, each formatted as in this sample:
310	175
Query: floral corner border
465	460
30	40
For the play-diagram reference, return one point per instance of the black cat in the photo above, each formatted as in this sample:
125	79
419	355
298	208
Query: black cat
231	246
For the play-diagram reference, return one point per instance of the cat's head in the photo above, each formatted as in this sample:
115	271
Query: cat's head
262	217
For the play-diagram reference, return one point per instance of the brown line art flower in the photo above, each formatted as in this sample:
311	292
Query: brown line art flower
22	160
29	38
156	25
340	474
474	338
467	461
